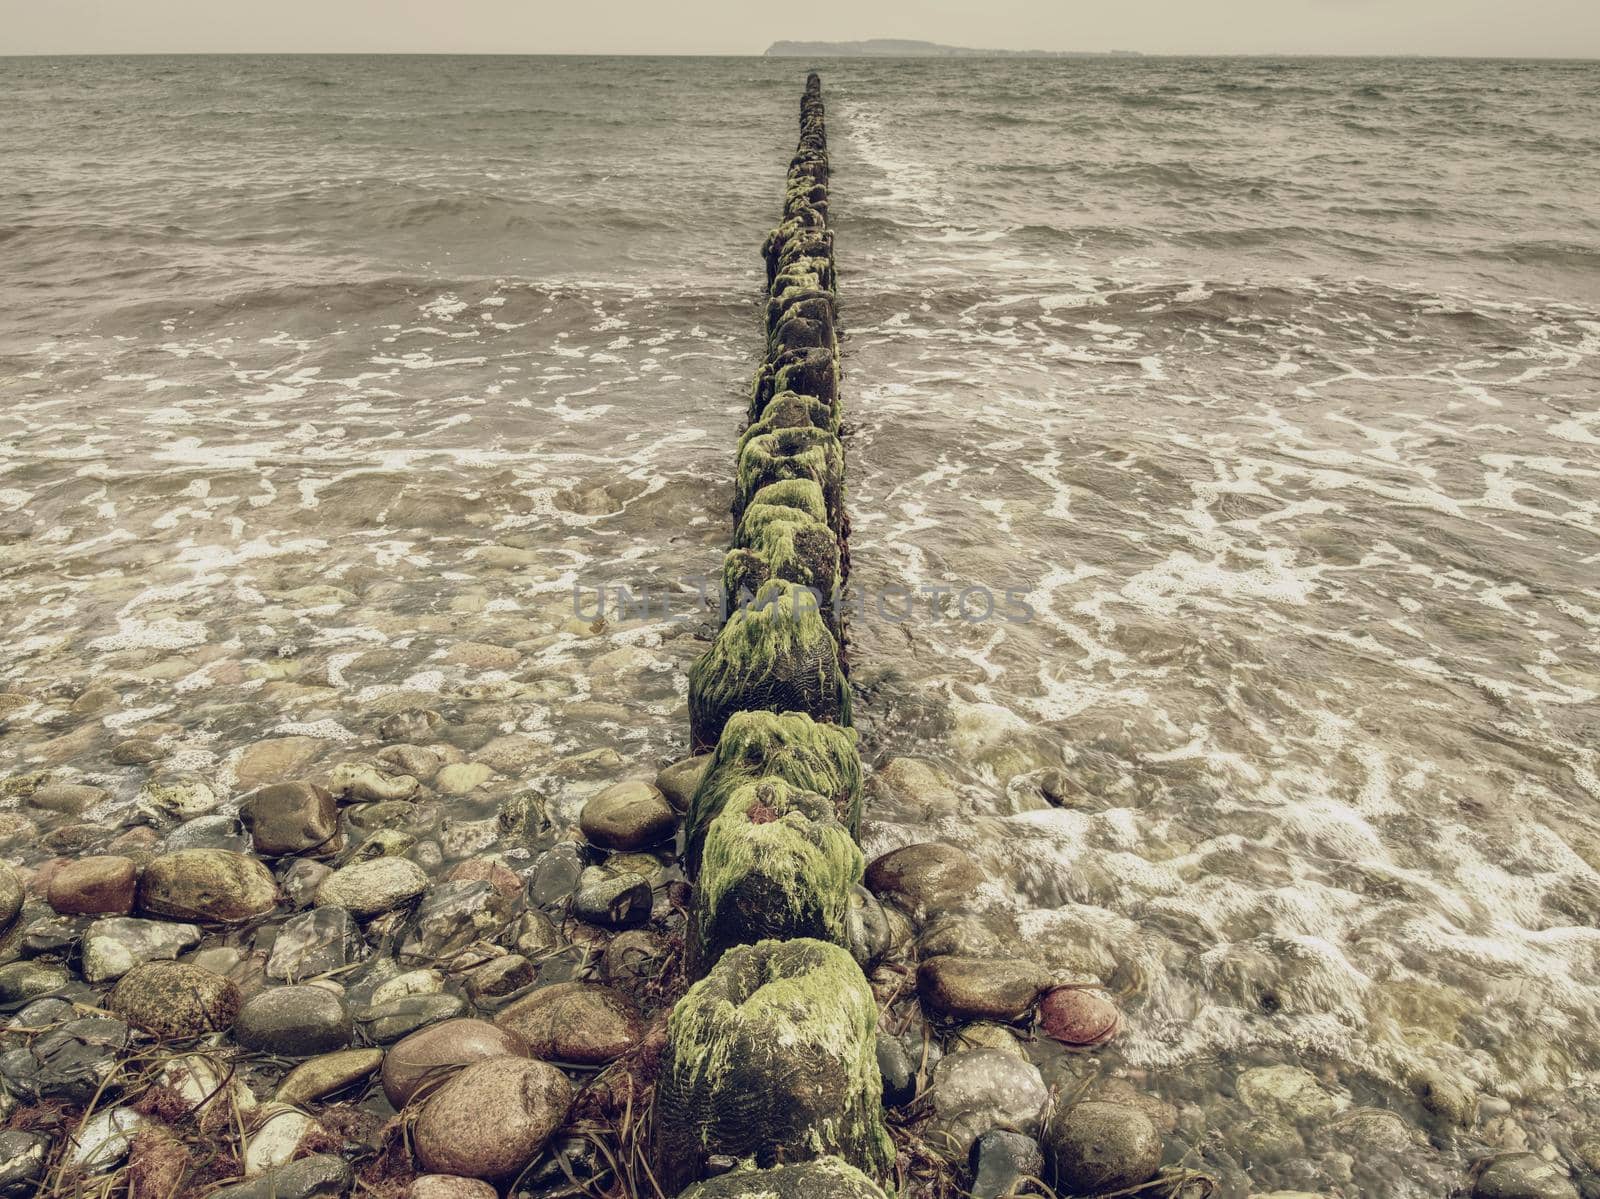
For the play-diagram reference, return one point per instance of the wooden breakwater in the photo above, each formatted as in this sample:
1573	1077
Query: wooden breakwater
770	1064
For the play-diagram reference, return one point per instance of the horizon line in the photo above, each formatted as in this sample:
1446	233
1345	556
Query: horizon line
1119	54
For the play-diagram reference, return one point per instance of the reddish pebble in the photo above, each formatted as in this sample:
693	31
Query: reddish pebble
1078	1017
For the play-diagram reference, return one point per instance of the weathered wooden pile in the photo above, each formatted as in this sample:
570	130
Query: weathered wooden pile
771	1063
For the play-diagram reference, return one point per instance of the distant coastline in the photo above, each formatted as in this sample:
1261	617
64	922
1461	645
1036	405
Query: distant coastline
889	47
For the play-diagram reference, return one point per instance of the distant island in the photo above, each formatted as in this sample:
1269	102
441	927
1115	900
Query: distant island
893	47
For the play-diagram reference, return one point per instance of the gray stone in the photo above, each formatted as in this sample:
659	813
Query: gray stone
555	874
368	889
114	946
207	885
294	1022
388	1022
21	982
679	781
314	943
441	1049
70	799
827	1178
1095	1147
613	900
453	916
11	895
320	1176
22	1157
208	832
979	1089
1001	1161
1524	1176
69	1064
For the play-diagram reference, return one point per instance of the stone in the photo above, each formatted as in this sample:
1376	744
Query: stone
613	900
925	878
368	889
275	760
535	934
492	1118
301	880
208	832
104	1140
1289	1091
499	977
826	1178
450	1186
984	1034
633	957
315	942
22	1157
493	871
772	1056
1078	1016
69	799
114	946
580	1023
440	1050
22	982
69	1064
12	893
136	751
978	1089
327	1074
391	1021
1452	1100
1001	1161
1524	1176
178	797
681	780
628	816
276	1139
294	1022
412	982
208	886
94	886
362	780
453	917
1095	1147
980	988
461	778
479	655
899	1071
291	818
320	1176
555	874
176	1000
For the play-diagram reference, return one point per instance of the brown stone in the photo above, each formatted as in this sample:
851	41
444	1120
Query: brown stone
583	1023
491	1119
441	1049
924	878
102	885
980	988
631	815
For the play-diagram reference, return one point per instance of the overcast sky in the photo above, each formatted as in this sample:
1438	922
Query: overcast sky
1566	28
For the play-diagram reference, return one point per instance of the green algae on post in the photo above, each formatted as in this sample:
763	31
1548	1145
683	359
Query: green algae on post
772	1058
776	865
778	655
804	753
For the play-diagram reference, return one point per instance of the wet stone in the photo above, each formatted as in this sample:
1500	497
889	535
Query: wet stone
1095	1147
581	1023
207	885
69	799
534	934
442	1049
980	988
388	1022
924	878
613	900
628	816
291	818
294	1022
450	1186
369	889
1289	1091
828	1178
327	1074
22	1158
632	957
898	1070
491	1119
679	781
69	1064
113	946
1524	1176
24	981
976	1090
555	874
11	896
320	1176
314	943
455	915
92	886
1078	1017
208	832
175	1000
499	977
1000	1161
